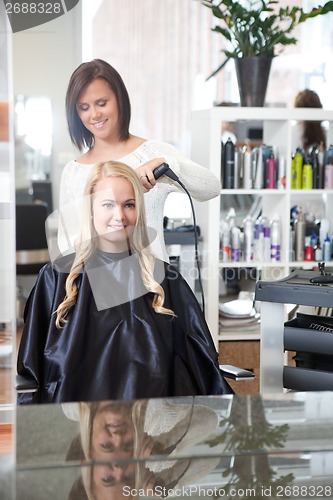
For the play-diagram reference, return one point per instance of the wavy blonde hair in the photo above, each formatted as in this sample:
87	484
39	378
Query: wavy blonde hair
87	241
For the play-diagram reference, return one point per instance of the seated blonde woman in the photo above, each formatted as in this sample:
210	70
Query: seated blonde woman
111	321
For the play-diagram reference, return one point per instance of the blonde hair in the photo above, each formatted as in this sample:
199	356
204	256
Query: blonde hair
87	412
86	243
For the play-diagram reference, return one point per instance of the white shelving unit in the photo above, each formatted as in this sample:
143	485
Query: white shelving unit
279	129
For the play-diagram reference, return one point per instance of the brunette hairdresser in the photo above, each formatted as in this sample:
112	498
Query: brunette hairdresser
86	73
98	115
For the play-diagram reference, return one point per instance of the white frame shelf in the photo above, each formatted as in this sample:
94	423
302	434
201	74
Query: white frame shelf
279	130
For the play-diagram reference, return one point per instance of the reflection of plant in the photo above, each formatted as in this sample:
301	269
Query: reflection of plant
250	436
258	27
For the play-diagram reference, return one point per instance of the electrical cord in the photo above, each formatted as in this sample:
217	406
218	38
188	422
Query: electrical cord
164	169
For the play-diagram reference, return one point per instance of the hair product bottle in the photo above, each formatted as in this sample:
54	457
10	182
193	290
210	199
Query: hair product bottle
318	251
248	228
229	165
307	175
281	181
271	172
298	166
299	236
276	239
327	249
259	173
247	168
309	250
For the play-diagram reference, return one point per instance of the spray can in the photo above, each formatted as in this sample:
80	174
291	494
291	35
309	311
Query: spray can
307	177
328	155
309	250
266	153
271	172
267	241
235	244
229	165
275	239
299	236
247	168
328	182
298	166
281	182
321	164
259	173
226	245
259	238
315	169
237	169
318	252
248	228
327	249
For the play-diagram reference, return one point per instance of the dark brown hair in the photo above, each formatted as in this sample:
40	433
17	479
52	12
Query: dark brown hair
82	76
313	132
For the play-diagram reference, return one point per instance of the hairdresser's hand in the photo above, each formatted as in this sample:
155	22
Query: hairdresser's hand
145	173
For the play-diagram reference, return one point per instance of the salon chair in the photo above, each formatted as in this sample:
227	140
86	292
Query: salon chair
31	243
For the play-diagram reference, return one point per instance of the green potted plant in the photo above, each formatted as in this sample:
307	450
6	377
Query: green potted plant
257	31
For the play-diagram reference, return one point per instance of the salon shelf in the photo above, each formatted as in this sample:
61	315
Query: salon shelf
279	130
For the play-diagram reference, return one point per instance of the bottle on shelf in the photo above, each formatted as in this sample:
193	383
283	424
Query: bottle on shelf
316	174
299	236
297	169
235	244
307	175
247	168
328	180
259	172
309	250
248	230
281	181
275	250
327	249
228	164
318	251
271	171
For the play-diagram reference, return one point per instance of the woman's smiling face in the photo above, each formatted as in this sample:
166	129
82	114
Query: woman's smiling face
114	213
98	109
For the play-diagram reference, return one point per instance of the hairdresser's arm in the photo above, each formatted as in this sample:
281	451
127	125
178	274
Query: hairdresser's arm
202	184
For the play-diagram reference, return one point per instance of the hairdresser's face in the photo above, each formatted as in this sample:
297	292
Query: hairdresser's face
114	213
112	434
113	482
98	110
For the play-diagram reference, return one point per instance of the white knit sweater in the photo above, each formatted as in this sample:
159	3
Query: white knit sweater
199	181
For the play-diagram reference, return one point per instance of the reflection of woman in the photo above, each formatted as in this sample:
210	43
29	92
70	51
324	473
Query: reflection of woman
312	132
98	115
112	433
112	322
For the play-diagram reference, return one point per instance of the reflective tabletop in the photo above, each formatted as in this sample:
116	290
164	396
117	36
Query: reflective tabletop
219	447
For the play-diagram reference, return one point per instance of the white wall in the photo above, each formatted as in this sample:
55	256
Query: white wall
43	60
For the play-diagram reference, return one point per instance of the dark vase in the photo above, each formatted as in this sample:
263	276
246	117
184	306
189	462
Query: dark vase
252	76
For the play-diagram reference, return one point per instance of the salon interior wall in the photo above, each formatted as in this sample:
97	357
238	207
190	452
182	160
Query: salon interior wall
43	59
164	51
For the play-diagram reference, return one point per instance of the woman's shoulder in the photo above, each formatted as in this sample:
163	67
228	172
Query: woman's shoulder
160	146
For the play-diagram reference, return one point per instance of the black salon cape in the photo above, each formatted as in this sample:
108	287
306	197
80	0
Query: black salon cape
123	352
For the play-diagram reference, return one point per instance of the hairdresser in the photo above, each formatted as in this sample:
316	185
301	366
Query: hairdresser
312	133
98	114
